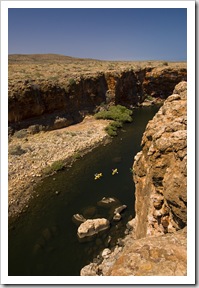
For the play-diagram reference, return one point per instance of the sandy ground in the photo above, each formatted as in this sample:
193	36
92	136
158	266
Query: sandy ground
41	150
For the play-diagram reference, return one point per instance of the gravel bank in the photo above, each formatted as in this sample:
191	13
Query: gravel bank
40	150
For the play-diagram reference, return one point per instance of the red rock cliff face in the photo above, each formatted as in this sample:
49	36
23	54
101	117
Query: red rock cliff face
160	82
160	169
37	104
48	103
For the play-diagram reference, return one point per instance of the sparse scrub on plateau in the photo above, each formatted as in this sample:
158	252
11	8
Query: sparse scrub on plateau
16	150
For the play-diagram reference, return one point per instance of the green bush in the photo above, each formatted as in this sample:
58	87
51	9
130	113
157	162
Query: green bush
119	114
116	124
21	133
111	130
116	113
54	167
16	150
76	155
72	81
149	97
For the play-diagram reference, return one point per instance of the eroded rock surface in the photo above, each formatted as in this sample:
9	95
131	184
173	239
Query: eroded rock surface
151	256
160	169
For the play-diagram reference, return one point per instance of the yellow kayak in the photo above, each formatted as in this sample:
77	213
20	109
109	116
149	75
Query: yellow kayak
98	176
114	171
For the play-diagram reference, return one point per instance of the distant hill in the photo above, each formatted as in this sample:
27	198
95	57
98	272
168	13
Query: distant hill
30	58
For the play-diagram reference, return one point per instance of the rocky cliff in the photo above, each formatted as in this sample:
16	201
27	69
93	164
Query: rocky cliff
160	169
157	243
56	102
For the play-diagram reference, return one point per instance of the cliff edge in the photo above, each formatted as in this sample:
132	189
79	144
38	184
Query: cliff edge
160	172
48	92
156	244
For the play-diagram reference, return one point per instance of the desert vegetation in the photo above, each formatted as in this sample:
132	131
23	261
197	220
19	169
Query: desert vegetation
62	69
119	114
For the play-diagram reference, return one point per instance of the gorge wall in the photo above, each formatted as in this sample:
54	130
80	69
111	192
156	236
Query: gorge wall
156	244
55	105
160	169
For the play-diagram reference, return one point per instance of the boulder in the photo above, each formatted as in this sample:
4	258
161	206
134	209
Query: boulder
92	227
89	270
117	217
105	253
131	224
120	209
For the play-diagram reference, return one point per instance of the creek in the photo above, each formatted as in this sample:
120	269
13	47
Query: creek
43	241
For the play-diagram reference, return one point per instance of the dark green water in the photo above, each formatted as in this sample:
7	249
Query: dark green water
44	241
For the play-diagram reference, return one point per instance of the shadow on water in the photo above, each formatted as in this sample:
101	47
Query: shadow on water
44	241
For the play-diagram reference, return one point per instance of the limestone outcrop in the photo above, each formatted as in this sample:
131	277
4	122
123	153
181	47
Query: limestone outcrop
151	256
156	243
160	170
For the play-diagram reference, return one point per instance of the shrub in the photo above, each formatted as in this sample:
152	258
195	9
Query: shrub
149	97
72	81
21	133
54	167
116	113
76	155
119	114
111	130
16	150
116	124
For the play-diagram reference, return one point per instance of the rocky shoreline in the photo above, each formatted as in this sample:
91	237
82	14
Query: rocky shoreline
34	155
31	157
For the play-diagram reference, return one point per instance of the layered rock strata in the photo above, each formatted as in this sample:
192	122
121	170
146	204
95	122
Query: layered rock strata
53	105
156	245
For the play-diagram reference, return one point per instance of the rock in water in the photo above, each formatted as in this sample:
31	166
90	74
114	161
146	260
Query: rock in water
108	202
78	219
120	209
92	227
117	217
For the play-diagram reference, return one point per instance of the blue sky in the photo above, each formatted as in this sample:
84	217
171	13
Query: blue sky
100	33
